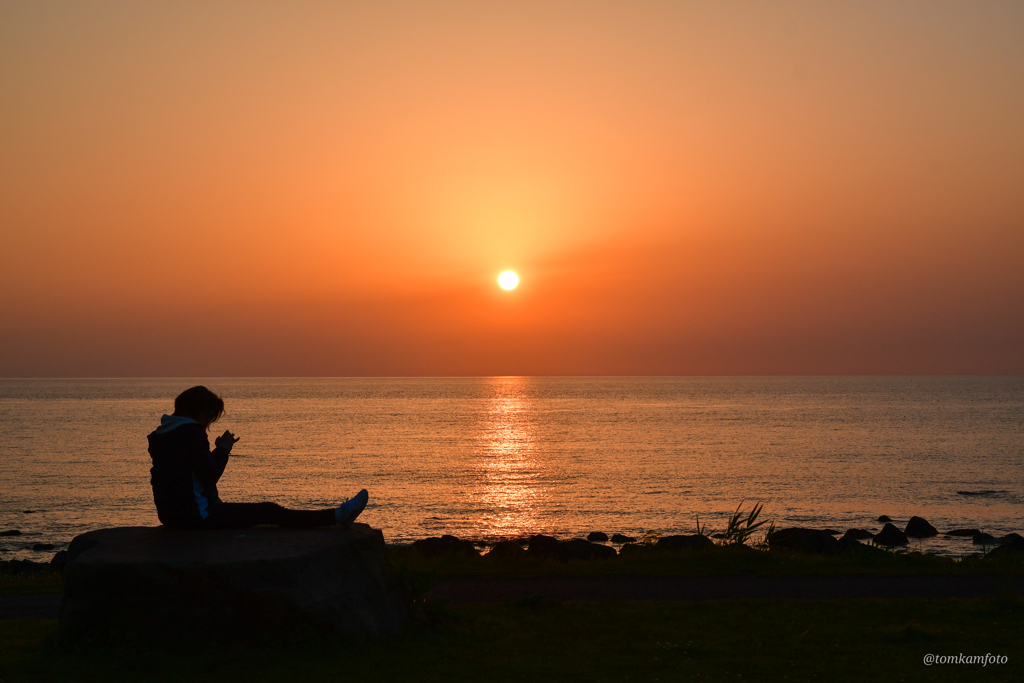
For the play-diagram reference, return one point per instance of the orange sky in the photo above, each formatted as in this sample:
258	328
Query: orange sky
314	189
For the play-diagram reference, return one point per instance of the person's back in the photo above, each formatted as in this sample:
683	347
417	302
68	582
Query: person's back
176	446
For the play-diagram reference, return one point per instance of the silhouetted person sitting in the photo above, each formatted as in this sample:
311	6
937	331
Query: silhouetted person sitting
185	473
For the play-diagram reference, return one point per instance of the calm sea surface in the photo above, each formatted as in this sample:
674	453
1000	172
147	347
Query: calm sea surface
501	457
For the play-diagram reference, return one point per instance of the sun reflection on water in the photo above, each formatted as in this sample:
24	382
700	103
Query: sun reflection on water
508	461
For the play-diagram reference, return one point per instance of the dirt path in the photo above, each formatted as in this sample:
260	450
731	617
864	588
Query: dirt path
725	588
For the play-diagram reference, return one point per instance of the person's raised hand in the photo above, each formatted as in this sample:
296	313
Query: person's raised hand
225	441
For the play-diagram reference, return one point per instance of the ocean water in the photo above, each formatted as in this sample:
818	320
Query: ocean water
501	457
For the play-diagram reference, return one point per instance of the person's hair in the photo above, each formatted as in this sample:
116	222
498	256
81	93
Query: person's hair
200	404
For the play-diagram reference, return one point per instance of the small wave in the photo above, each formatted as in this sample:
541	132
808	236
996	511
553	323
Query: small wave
980	493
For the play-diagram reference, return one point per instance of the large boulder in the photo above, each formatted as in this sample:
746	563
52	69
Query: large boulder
231	583
971	533
890	535
796	539
918	527
597	537
622	538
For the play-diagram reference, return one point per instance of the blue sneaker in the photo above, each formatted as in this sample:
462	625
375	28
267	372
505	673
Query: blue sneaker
347	512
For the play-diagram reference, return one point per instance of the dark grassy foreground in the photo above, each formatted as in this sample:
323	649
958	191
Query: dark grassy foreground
538	639
30	584
531	640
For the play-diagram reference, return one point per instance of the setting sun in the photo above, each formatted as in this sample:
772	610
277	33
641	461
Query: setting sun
508	280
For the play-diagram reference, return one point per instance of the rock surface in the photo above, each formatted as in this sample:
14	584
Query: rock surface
795	539
918	527
890	535
622	538
964	532
563	551
445	545
859	534
508	550
597	537
194	585
685	542
849	543
1013	545
884	518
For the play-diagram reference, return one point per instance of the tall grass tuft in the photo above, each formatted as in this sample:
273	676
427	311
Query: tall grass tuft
739	528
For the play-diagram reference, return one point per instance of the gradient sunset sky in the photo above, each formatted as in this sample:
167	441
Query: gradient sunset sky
328	188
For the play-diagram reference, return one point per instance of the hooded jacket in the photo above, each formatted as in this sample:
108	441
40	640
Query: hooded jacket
185	471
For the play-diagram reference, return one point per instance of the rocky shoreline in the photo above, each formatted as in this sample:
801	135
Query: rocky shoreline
599	545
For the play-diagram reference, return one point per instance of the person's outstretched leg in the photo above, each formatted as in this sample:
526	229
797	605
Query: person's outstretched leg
347	512
241	515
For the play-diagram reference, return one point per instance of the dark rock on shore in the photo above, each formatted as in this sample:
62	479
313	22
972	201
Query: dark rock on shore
563	551
21	567
918	527
985	539
445	545
59	559
884	518
859	534
42	546
890	535
579	549
543	546
964	532
848	543
1013	545
634	549
597	537
507	550
228	584
622	538
684	542
796	539
10	532
833	532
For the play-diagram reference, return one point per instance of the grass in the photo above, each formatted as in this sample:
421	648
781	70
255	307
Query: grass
30	584
543	640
